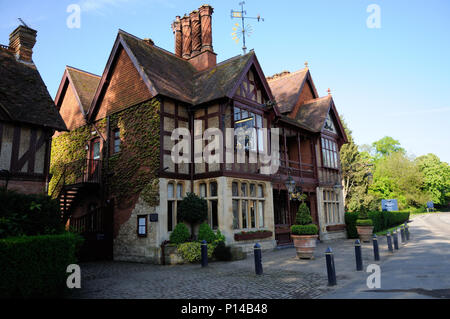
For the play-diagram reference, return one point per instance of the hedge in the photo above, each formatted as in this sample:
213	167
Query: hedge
35	266
28	215
381	221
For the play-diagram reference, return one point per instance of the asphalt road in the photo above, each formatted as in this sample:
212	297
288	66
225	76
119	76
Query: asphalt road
419	269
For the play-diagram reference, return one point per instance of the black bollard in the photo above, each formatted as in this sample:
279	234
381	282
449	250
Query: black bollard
331	270
204	253
395	239
258	263
407	231
402	232
389	242
358	255
376	252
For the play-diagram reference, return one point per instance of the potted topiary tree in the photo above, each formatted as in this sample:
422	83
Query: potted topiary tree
304	233
364	226
193	210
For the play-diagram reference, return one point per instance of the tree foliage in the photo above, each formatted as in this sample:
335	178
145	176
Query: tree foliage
356	169
436	176
412	182
387	146
193	210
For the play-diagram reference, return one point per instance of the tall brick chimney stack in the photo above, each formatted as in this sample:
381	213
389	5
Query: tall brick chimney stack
176	27
21	42
193	38
196	32
206	12
187	40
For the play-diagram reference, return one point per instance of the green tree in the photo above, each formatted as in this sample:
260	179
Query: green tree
436	178
355	168
193	210
387	146
396	176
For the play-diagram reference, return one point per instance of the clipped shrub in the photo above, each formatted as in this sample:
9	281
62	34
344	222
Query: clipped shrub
380	220
350	221
303	219
303	216
310	229
192	251
395	218
180	234
222	252
206	233
364	222
193	210
35	266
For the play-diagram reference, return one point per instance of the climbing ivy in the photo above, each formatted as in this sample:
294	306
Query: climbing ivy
131	171
135	166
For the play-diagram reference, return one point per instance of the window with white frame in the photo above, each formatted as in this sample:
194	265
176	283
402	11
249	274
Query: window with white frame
175	193
248	205
142	226
331	207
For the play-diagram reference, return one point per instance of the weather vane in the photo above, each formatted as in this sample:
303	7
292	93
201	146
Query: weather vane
238	31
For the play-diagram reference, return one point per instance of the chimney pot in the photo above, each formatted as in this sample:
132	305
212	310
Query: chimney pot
21	42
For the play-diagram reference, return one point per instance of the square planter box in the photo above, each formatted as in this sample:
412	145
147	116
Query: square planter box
252	236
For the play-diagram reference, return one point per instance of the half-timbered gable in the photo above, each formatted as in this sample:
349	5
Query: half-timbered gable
28	117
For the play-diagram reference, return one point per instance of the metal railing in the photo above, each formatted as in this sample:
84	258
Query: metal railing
82	171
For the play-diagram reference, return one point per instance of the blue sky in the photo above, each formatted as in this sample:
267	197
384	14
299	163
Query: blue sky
388	81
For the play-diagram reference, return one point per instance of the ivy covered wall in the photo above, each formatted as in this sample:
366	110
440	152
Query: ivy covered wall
133	170
135	167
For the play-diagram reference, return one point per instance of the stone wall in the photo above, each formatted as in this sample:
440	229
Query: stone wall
324	234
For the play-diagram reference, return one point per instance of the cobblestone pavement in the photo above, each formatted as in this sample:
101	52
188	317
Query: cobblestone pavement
284	276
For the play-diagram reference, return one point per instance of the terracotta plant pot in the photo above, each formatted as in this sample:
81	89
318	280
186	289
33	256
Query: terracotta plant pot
365	233
305	245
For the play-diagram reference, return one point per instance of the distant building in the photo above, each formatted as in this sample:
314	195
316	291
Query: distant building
28	117
145	84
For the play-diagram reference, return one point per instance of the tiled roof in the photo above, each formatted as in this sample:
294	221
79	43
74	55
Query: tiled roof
314	112
170	75
85	84
177	78
286	89
219	81
24	96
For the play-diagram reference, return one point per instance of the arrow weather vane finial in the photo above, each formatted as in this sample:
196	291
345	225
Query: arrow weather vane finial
246	29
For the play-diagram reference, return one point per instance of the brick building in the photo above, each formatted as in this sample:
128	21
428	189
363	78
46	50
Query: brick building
118	166
28	117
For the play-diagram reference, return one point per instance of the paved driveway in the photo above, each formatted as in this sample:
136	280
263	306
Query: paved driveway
421	263
421	269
